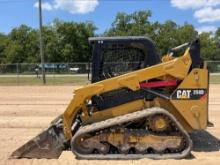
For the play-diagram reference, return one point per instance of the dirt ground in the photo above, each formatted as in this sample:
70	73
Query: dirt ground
25	111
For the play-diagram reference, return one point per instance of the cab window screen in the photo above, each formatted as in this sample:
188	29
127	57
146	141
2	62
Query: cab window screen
119	59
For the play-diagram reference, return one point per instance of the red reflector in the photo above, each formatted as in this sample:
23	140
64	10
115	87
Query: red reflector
156	84
203	97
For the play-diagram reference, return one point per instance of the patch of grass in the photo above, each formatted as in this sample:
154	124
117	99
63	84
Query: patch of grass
62	80
65	80
215	79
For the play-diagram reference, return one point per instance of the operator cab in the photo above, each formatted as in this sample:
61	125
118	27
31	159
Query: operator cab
113	56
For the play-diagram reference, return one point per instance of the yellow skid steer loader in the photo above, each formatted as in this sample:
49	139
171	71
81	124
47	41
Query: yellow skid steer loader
137	105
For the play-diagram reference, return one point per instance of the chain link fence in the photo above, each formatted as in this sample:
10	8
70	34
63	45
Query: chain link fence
56	73
64	73
214	69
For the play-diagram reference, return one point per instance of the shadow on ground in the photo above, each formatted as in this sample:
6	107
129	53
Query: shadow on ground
203	141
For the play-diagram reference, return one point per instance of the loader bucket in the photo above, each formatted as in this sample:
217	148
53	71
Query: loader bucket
48	144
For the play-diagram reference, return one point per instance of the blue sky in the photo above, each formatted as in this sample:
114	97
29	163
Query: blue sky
203	14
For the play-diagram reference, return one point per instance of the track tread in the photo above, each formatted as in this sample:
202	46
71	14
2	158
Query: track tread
125	118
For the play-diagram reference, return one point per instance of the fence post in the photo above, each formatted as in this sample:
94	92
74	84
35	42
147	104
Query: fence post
54	73
17	71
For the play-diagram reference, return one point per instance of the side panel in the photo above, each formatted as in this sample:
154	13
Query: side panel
177	68
167	105
191	98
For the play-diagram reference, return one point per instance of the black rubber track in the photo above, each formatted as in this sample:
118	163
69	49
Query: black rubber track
126	118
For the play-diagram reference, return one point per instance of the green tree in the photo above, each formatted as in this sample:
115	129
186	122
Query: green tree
63	42
22	45
209	47
166	37
136	23
74	40
68	41
3	43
